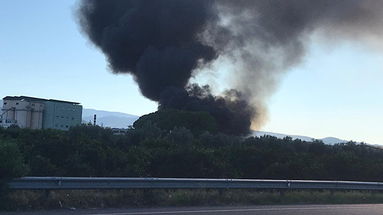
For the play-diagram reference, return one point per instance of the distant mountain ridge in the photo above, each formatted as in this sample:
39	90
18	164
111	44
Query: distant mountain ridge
326	140
124	120
105	118
108	118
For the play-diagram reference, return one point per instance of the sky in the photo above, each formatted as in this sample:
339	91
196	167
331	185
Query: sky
337	90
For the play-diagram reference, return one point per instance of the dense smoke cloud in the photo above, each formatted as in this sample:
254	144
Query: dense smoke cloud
162	42
231	111
156	41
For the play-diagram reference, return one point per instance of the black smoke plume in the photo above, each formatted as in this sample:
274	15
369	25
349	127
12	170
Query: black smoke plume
156	41
232	113
162	43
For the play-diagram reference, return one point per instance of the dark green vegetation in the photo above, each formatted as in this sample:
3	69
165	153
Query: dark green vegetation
11	165
196	122
160	145
150	151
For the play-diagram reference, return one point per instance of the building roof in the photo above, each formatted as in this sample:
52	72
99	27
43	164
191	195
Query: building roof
27	98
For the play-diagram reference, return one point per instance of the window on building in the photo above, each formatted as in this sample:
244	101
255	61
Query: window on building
67	126
17	103
5	103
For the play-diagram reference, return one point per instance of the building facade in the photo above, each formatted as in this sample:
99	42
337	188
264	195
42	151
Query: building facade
37	113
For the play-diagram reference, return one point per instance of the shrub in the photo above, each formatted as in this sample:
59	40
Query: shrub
11	166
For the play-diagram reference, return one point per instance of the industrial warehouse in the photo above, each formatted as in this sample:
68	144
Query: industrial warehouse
38	113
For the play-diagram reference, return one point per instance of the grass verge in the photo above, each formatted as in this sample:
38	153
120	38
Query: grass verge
31	200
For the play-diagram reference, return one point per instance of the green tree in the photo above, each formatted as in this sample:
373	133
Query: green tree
168	119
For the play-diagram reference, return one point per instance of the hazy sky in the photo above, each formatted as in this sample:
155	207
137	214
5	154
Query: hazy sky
336	91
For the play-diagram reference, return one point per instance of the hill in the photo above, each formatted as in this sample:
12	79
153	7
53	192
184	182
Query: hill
326	140
108	118
124	120
105	118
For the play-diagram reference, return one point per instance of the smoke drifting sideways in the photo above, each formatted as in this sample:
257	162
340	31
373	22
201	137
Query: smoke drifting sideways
158	43
162	43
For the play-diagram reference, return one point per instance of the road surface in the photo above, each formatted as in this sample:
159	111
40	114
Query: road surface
368	209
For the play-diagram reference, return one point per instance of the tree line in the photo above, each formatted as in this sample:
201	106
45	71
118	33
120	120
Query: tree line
158	147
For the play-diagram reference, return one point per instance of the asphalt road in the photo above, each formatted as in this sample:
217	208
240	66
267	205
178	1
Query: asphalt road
365	209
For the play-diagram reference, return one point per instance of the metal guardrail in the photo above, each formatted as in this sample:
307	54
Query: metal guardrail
82	183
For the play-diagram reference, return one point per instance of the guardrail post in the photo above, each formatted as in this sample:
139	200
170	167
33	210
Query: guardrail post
148	196
282	193
45	195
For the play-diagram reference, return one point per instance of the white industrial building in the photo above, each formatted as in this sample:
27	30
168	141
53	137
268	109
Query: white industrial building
37	113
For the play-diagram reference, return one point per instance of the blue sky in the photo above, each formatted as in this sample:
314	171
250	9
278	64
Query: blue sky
336	91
